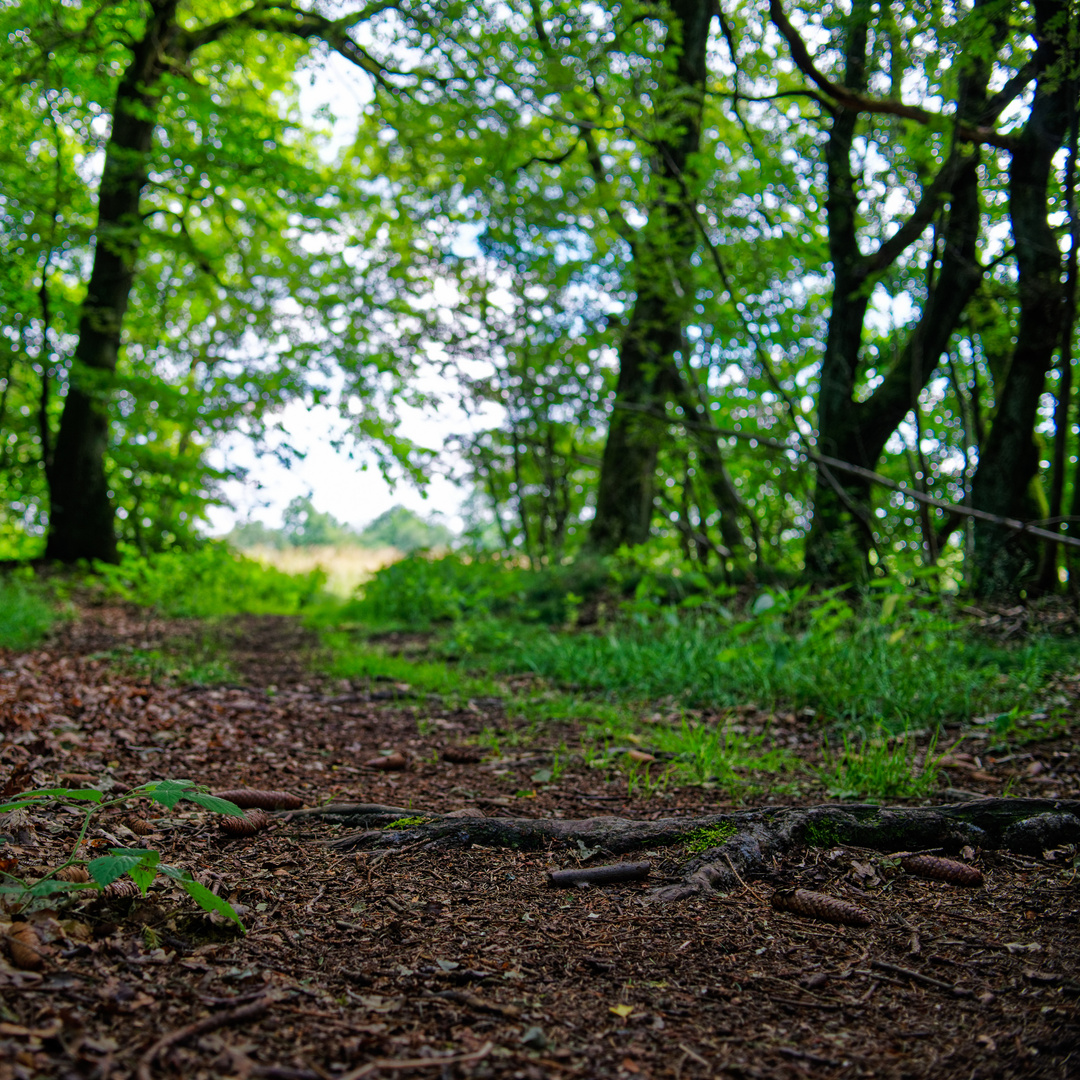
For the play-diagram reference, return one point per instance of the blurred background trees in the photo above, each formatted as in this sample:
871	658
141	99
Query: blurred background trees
678	266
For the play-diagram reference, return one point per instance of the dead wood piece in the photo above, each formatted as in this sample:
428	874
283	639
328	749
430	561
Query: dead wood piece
416	1063
754	835
463	997
940	869
918	976
600	875
815	905
251	1011
256	798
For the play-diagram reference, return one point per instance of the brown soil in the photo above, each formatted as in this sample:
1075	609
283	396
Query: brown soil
453	963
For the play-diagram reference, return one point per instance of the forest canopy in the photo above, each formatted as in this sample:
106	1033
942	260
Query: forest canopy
771	287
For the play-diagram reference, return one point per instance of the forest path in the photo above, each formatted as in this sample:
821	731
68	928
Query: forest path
464	962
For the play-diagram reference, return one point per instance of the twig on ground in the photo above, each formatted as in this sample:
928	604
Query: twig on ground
417	1063
250	1011
918	976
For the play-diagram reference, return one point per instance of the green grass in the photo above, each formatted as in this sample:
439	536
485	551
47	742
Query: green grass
181	663
209	582
854	675
880	768
28	611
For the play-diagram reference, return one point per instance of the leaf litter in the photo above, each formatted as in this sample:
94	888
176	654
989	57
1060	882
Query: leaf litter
467	963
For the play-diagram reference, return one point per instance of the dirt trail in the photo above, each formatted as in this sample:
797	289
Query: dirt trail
406	961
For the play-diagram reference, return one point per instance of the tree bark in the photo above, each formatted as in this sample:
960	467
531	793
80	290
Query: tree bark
81	516
664	294
745	840
840	539
1009	461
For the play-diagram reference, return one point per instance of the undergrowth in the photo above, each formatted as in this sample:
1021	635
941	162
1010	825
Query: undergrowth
28	610
212	580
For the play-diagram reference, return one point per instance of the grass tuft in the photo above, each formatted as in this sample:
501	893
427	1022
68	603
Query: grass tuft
27	611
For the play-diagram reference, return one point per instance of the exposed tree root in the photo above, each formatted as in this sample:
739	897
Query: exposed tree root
744	839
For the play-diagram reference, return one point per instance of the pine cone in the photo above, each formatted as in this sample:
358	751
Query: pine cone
140	826
121	889
933	866
251	798
77	874
253	821
815	905
25	947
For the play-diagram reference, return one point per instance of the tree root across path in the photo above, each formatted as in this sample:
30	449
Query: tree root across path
727	847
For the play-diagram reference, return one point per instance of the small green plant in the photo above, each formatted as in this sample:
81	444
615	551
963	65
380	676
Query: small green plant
709	836
141	865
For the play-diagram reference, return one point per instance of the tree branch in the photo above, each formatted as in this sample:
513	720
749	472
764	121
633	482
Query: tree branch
856	102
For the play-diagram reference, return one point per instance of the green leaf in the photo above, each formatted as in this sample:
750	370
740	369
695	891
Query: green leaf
143	875
212	802
30	797
167	792
202	895
106	869
47	888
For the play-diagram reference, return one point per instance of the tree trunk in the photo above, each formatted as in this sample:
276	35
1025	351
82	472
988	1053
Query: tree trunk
841	536
1009	462
745	840
663	282
81	517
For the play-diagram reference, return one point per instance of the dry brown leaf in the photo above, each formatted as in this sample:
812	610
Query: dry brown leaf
27	951
253	821
640	755
389	763
815	905
933	866
77	779
254	798
77	874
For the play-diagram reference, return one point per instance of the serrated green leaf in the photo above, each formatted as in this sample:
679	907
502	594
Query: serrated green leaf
212	802
84	794
167	792
106	869
202	895
143	875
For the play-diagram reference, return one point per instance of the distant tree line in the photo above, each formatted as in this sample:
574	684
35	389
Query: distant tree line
304	526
